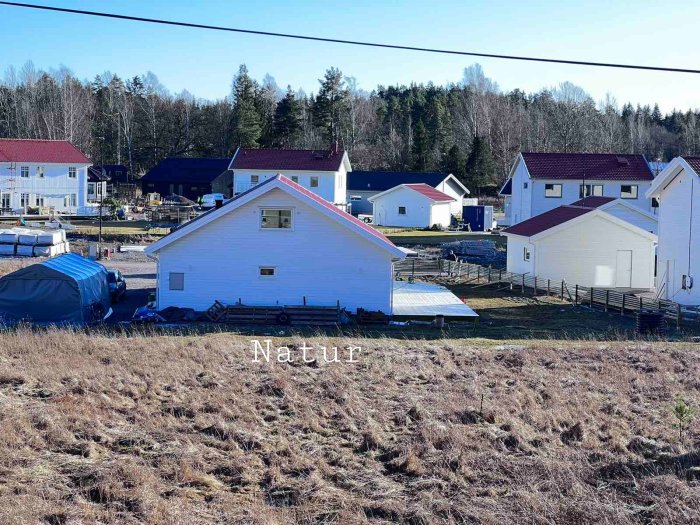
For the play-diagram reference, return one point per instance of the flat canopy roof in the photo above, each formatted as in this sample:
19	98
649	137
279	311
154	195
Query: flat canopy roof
422	300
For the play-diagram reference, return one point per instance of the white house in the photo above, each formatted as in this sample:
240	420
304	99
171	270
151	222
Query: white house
584	246
46	174
622	210
365	184
412	205
324	172
276	244
677	190
540	182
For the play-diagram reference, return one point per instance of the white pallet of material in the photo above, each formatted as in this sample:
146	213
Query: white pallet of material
28	238
8	236
25	251
66	247
46	251
7	249
50	238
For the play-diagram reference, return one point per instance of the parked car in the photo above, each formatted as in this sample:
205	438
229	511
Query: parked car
117	285
209	200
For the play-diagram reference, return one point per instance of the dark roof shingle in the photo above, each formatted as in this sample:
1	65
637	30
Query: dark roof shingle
185	169
589	166
593	201
287	159
37	150
547	220
384	180
694	163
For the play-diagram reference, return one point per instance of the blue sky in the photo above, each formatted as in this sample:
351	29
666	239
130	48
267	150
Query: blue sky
203	62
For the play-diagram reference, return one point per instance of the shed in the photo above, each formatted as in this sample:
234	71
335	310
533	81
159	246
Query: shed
412	205
68	289
584	246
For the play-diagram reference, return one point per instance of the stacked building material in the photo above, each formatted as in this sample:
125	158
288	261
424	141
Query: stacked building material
33	243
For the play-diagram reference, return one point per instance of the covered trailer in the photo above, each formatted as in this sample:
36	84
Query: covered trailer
68	289
479	218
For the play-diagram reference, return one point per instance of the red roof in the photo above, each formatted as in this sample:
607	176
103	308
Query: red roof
547	220
593	202
287	159
36	150
334	209
589	166
430	192
694	163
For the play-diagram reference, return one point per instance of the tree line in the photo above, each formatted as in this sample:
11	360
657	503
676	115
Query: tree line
470	128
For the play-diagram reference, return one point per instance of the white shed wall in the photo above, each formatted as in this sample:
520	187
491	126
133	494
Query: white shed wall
418	209
441	214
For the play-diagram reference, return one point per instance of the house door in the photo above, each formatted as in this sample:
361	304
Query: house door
623	273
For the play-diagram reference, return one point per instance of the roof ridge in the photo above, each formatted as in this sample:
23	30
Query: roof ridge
38	140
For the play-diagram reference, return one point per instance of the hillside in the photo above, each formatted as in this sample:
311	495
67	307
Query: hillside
162	429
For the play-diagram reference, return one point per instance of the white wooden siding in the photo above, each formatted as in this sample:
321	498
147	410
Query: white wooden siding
332	185
317	258
418	209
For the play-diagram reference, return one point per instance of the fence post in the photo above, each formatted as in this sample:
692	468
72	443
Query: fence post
641	303
548	290
622	308
489	273
500	275
522	286
576	296
562	290
413	268
478	273
534	291
679	317
607	299
590	302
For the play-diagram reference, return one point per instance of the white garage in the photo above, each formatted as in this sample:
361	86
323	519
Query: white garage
412	205
584	246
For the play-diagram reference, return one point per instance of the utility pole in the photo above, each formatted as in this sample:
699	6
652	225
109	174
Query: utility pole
99	236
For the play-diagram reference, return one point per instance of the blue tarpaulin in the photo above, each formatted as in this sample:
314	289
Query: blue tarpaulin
68	289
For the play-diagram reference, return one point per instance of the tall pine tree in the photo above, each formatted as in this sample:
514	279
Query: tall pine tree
331	105
480	167
247	126
421	147
287	121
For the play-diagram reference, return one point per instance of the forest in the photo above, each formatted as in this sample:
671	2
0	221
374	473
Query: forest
470	128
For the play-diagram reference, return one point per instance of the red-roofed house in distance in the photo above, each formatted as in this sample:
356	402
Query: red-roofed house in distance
540	182
583	245
276	244
412	205
323	172
44	176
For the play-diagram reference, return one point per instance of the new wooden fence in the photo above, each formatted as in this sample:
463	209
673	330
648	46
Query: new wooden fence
607	299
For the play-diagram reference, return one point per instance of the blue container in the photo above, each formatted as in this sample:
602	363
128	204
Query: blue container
479	218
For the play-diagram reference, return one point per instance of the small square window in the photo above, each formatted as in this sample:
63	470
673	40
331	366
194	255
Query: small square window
267	271
24	172
526	254
314	182
254	179
525	185
295	178
552	191
176	281
40	171
402	210
275	219
355	198
72	173
629	191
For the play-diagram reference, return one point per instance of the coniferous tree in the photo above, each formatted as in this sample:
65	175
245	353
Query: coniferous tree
455	162
480	167
287	121
247	127
330	105
420	147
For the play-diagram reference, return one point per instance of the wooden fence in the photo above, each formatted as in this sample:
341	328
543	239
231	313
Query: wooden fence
607	299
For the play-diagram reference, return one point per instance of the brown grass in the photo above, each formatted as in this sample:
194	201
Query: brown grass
164	429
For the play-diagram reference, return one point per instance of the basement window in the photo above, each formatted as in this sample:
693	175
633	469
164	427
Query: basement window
402	210
275	218
552	191
629	191
267	272
314	182
526	254
176	281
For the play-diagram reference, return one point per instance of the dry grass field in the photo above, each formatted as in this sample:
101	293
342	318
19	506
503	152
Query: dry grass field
163	429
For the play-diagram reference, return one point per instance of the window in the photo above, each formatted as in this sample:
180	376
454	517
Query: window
524	185
295	178
73	200
629	191
402	210
314	182
275	219
39	199
24	172
526	254
590	190
40	172
552	191
24	199
91	188
72	173
355	198
5	201
176	281
254	179
267	271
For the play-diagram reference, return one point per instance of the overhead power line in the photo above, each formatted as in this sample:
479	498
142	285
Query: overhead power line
350	42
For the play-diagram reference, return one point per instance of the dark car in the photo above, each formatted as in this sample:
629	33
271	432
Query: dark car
117	284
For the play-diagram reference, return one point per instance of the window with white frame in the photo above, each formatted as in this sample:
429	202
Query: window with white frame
24	199
552	191
176	281
24	172
254	179
590	190
314	182
267	272
40	172
276	218
72	172
295	178
402	210
629	191
73	200
526	253
355	198
39	199
91	188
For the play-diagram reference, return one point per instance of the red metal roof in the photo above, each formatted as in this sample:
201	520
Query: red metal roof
36	150
287	159
589	166
547	220
593	202
430	192
323	202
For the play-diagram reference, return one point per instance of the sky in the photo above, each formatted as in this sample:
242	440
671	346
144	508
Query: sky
204	62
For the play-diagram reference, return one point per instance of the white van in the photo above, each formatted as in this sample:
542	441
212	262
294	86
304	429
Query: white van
209	200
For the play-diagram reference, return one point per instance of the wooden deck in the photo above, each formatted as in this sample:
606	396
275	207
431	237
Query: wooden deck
422	300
